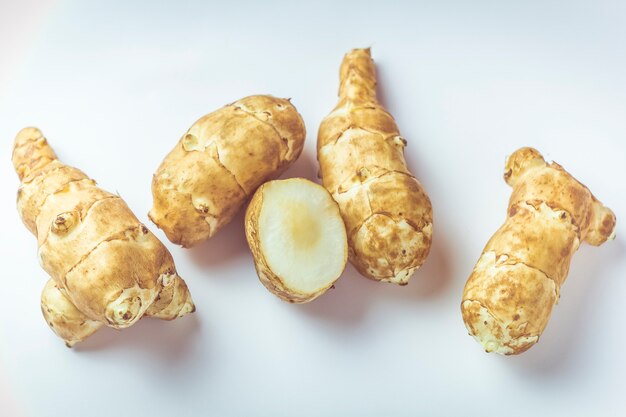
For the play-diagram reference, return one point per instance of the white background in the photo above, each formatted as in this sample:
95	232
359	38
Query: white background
114	85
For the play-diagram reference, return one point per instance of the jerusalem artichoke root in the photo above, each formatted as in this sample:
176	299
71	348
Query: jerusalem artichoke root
387	213
297	238
509	296
219	162
106	267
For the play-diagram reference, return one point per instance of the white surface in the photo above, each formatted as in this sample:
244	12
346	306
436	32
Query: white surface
113	86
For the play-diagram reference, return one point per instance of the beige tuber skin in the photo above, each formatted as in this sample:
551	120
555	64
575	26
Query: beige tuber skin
509	296
106	267
219	163
387	213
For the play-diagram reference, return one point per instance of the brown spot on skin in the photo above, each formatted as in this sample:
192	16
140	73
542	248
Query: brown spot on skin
608	224
144	229
485	322
126	315
516	317
566	251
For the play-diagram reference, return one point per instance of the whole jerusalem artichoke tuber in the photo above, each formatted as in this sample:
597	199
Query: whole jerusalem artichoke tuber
509	296
387	213
106	267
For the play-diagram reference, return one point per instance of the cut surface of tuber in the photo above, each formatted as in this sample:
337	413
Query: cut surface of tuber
298	238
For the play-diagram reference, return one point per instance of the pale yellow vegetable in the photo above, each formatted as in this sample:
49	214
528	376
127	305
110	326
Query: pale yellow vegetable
387	213
297	238
219	162
106	267
509	296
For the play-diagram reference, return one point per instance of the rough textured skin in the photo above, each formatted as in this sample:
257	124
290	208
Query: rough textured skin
387	213
268	278
219	162
106	267
509	296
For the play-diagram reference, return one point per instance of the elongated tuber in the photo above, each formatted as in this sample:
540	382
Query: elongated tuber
387	213
509	296
106	267
297	238
219	162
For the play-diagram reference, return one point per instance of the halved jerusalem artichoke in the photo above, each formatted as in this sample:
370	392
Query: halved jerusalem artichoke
297	238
